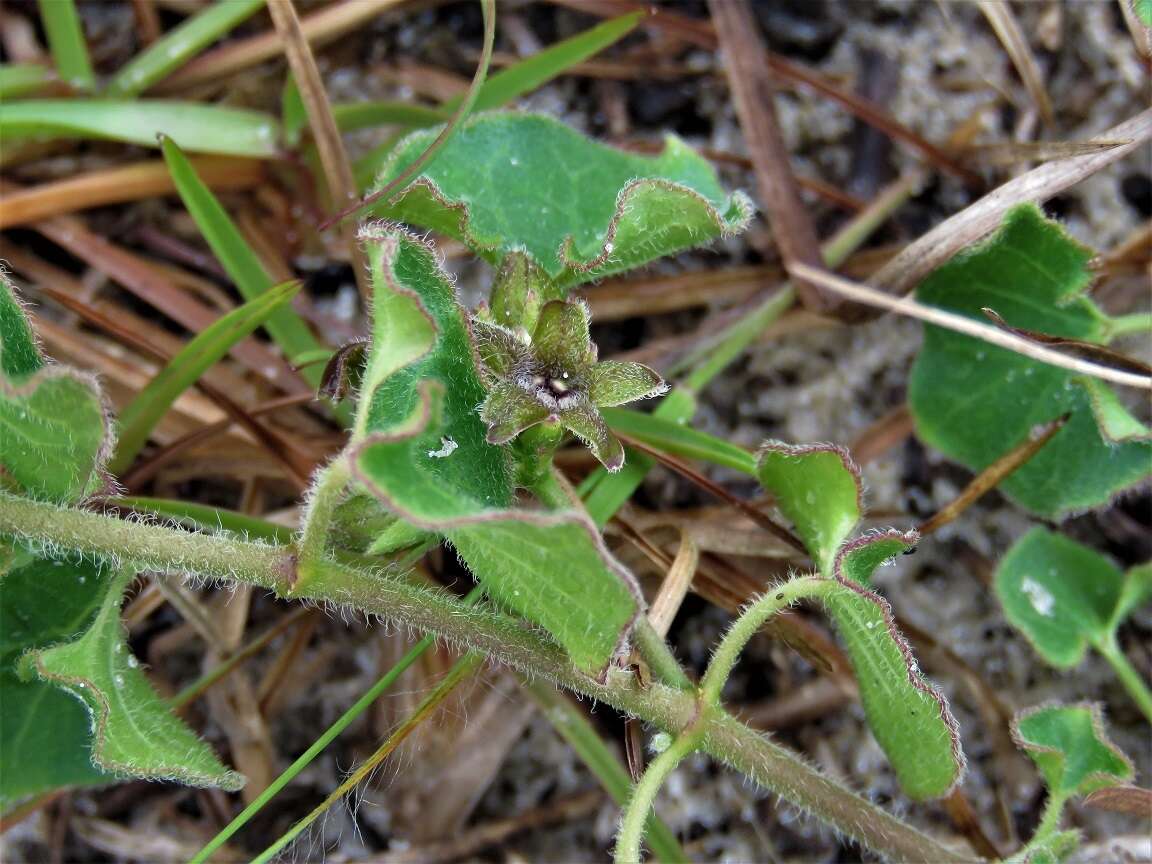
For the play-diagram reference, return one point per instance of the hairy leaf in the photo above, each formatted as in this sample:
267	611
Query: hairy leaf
1071	748
581	209
133	732
44	733
1064	596
817	487
54	429
975	402
422	450
907	714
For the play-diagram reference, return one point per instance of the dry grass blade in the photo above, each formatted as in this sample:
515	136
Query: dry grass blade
1007	153
618	299
1008	31
920	258
1099	353
329	144
761	519
992	475
992	335
1122	799
119	185
322	26
753	91
151	285
675	586
964	817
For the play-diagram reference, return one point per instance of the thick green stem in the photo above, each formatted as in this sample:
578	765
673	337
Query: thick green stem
325	495
1127	674
499	637
635	817
732	645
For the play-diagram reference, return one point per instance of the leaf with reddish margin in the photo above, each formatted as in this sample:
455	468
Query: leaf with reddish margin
581	209
818	488
908	715
421	449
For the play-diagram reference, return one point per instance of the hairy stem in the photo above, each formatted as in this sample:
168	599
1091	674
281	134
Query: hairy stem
728	651
632	823
327	489
499	637
1127	674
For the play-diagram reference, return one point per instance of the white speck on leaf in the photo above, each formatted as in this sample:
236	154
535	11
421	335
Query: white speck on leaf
447	447
1039	596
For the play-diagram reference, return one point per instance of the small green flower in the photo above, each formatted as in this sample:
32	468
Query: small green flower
552	376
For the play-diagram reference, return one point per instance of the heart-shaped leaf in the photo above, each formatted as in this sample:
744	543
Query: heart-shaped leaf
975	402
133	733
581	209
1064	596
1071	748
421	449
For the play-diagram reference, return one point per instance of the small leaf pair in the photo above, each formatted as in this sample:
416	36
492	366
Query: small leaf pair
551	376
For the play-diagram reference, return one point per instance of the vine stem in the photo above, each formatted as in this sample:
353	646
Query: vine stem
728	651
635	818
62	531
1127	674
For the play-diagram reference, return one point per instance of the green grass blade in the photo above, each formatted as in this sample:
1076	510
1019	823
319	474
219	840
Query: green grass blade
21	79
198	128
210	518
506	85
553	61
318	746
364	115
66	39
678	440
180	45
140	417
239	261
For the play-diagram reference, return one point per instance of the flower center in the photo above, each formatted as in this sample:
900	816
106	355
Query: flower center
552	389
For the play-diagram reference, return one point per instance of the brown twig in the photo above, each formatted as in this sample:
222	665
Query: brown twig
753	91
329	144
991	476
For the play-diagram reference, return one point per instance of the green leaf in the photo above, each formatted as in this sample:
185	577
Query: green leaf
19	353
907	714
241	263
134	734
817	486
194	126
44	733
1061	595
974	401
21	79
581	209
140	417
1143	10
421	391
54	429
180	45
679	440
66	39
1071	748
